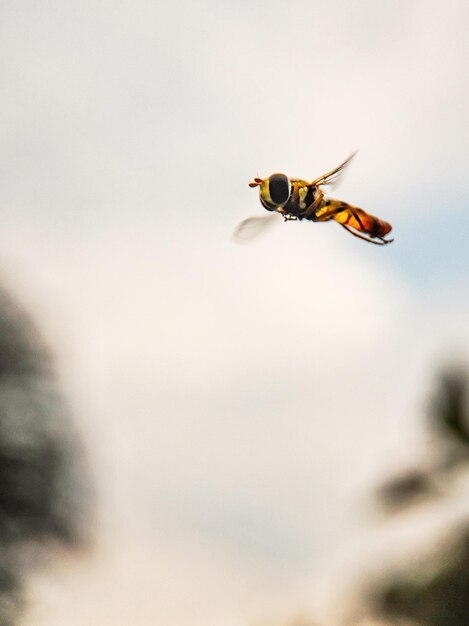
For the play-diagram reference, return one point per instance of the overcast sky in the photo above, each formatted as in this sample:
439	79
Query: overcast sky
237	400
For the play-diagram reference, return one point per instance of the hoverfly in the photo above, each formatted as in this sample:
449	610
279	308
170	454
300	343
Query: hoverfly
297	199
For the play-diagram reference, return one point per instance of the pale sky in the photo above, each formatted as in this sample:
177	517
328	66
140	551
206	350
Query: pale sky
238	401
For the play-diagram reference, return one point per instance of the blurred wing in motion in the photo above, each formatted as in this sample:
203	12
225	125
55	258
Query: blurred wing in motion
252	227
332	177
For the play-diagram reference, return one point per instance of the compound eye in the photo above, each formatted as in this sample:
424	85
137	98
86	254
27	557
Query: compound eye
279	188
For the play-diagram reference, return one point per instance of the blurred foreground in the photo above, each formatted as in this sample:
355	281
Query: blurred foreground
45	496
432	587
42	486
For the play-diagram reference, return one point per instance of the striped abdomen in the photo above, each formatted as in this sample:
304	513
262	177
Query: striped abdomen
353	217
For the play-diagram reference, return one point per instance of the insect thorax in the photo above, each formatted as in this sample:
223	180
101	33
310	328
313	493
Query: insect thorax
303	197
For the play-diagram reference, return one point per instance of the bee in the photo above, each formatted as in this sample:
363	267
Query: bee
297	199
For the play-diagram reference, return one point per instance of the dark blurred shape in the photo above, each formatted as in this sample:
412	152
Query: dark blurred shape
449	414
435	593
43	485
402	491
449	418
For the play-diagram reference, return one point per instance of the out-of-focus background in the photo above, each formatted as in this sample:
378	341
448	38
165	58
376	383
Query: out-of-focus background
238	404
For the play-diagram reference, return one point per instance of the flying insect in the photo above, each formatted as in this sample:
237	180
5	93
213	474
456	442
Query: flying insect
297	199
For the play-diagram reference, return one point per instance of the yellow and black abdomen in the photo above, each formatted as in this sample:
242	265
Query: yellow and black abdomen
351	216
364	222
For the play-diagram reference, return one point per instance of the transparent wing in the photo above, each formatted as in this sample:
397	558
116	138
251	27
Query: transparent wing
333	176
252	227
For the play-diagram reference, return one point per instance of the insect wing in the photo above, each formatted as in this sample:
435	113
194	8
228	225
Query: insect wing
253	227
333	176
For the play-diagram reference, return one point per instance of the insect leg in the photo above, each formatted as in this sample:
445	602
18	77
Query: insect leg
383	242
357	217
